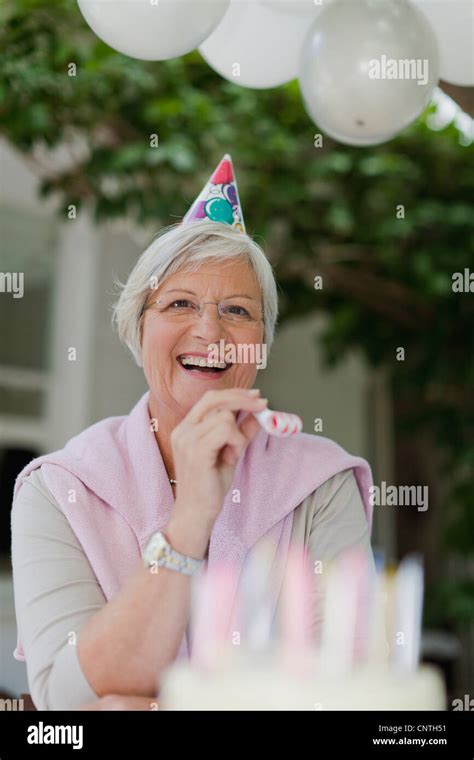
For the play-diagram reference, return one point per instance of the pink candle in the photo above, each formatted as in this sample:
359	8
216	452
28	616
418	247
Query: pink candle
211	614
296	619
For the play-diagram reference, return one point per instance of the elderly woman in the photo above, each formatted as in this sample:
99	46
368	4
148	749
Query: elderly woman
188	478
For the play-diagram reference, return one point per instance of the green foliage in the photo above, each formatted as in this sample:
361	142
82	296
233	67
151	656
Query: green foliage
452	604
329	211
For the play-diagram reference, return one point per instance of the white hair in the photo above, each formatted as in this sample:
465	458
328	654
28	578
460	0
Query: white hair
182	246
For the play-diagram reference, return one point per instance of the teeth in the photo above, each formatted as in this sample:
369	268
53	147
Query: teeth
198	361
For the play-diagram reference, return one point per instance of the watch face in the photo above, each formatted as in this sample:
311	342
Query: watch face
156	548
160	542
159	552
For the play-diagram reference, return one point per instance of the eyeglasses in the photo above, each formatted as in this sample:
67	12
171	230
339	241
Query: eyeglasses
236	311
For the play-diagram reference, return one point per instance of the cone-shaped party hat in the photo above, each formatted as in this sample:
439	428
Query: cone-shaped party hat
219	200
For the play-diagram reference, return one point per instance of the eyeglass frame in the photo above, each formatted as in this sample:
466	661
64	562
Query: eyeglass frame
202	304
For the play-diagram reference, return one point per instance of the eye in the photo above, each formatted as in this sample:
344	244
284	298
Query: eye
180	303
239	311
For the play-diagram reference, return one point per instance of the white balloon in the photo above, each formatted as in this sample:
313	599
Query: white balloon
453	22
368	69
254	46
304	7
153	30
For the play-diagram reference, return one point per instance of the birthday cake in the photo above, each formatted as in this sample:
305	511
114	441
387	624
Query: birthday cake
366	656
246	681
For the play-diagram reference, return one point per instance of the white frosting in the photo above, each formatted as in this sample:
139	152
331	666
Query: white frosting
246	681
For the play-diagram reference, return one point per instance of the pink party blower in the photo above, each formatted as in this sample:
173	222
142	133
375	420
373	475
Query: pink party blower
281	424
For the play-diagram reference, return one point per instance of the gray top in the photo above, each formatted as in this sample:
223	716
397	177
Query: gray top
56	590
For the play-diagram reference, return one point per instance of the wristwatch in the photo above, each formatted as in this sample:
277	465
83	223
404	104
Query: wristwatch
159	553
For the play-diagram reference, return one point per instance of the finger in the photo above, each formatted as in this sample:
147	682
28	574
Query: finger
222	434
193	434
217	416
230	398
229	456
249	427
222	444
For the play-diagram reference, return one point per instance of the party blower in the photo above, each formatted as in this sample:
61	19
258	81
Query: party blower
281	424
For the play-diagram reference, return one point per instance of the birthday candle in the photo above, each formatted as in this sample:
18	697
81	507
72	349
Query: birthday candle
378	647
362	573
255	612
343	623
281	424
406	636
296	598
211	613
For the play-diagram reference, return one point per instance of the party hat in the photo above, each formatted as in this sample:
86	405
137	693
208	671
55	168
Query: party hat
219	200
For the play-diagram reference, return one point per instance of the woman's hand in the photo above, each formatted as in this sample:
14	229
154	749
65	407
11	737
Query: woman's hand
121	702
207	445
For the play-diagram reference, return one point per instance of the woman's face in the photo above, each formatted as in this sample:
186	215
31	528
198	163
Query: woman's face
170	332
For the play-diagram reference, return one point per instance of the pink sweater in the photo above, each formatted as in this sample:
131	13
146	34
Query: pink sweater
111	483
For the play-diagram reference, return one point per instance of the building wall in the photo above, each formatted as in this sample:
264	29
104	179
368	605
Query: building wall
116	381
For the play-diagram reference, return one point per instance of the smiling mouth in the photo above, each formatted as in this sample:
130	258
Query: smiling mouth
200	364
